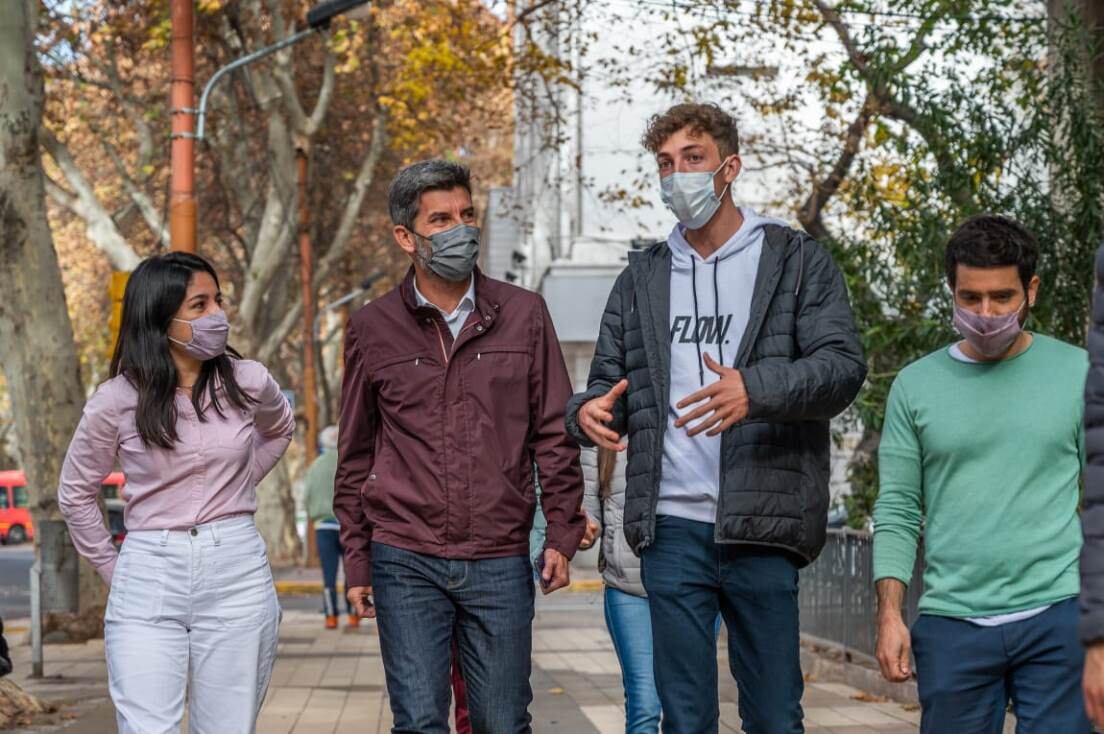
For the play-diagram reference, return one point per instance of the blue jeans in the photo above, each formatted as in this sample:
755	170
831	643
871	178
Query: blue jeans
329	553
966	674
689	578
420	602
630	626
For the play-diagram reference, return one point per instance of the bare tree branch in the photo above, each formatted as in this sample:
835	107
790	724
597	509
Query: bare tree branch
276	231
890	104
340	242
84	203
304	125
810	213
351	210
153	217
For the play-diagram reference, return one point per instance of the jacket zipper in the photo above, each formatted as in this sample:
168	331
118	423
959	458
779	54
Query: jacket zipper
441	339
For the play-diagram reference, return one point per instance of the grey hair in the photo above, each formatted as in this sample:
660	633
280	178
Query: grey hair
416	179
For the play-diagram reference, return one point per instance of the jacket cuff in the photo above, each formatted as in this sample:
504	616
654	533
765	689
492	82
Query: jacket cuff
358	572
1091	627
564	539
571	416
758	408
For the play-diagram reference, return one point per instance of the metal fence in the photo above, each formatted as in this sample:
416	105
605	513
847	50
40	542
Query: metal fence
837	599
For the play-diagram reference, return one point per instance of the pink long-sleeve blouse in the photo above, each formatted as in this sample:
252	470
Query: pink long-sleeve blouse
211	473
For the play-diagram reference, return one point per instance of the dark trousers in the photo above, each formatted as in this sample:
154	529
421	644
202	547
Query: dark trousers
329	553
421	603
967	674
689	578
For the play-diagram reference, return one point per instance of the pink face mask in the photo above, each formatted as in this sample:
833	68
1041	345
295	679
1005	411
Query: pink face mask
991	336
209	334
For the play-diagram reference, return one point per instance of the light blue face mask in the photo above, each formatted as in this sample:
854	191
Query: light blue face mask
691	196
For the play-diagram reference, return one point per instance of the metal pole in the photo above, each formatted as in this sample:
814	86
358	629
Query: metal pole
36	619
182	207
306	269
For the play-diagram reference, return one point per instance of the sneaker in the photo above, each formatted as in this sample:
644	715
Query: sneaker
354	621
331	621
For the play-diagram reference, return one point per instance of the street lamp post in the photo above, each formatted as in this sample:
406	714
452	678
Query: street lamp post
182	207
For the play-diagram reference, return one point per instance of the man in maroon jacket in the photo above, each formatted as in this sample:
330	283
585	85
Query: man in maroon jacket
454	386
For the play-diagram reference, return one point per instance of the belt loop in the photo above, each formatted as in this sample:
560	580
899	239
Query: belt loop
215	533
164	538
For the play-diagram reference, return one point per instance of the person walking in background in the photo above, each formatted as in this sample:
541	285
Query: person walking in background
318	485
628	617
626	604
192	613
982	449
454	386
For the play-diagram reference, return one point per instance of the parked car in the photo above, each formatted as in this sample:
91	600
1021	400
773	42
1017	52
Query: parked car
112	491
115	520
15	514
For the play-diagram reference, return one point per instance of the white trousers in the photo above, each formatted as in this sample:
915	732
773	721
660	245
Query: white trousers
191	610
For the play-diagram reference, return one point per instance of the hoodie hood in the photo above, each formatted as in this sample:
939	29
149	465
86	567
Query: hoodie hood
683	256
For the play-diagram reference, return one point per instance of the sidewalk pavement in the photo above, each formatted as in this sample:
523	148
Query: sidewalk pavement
333	682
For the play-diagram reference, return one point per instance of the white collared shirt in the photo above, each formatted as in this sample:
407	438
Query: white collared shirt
456	319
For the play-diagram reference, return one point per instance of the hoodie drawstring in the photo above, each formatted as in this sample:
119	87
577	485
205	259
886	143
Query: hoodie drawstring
697	324
717	309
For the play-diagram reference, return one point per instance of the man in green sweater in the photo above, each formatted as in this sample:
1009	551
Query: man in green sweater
982	449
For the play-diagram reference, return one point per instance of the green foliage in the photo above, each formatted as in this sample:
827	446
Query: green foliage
1006	130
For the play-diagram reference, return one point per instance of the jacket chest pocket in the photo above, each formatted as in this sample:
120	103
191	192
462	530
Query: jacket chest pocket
409	382
501	369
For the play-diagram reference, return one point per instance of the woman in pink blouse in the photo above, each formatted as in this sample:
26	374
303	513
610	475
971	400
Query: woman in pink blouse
194	427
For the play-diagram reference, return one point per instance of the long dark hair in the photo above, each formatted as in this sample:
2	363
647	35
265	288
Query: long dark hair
154	293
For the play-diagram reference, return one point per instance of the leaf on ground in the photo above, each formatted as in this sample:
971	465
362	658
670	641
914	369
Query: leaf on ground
869	698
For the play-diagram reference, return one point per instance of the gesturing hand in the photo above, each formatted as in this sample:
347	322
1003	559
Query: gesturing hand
726	402
596	414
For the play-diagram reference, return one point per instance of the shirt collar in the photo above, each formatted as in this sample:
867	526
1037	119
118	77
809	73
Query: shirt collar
468	299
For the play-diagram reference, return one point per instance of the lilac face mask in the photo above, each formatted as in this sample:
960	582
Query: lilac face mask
209	334
991	336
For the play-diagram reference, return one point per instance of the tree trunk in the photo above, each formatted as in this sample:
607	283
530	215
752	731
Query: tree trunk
275	516
1089	16
36	338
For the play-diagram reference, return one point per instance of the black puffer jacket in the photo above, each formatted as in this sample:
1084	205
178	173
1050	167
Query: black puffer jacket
1092	513
801	361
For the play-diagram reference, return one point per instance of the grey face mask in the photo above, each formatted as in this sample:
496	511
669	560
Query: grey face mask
453	253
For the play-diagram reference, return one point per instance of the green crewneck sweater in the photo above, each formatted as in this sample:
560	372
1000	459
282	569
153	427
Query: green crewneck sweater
987	457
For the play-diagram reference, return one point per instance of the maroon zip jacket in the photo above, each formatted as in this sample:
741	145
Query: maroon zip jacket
438	438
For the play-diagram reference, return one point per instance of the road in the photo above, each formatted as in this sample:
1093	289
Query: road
15	580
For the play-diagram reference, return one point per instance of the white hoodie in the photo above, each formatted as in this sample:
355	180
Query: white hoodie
715	295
